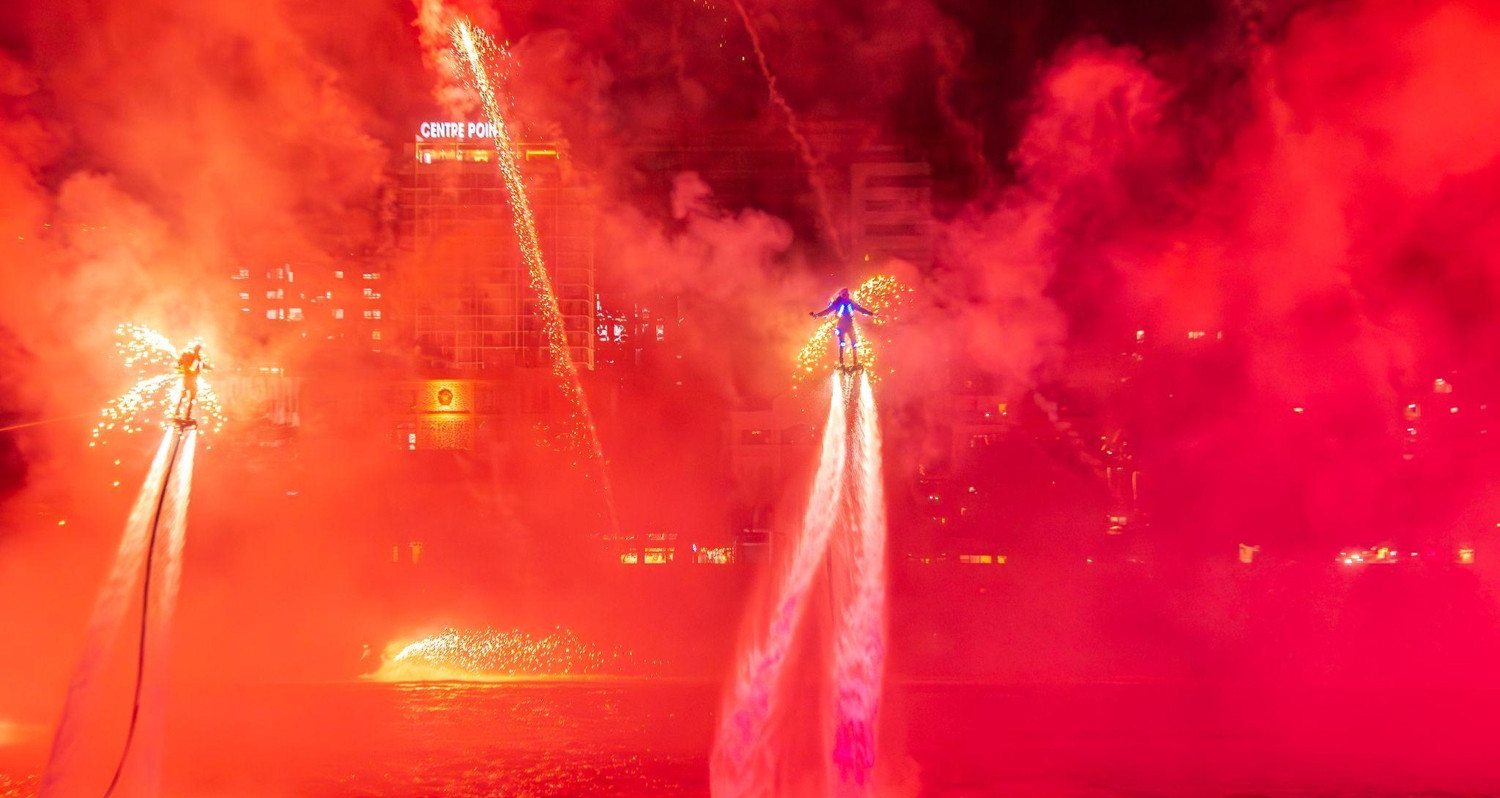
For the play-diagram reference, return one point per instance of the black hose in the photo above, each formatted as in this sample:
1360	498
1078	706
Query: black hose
140	661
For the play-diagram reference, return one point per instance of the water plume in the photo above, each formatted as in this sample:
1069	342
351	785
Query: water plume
843	528
743	762
859	589
159	514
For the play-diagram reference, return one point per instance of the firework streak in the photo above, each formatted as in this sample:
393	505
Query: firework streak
804	149
476	50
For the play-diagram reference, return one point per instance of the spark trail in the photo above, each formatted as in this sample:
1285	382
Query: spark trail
29	424
476	51
794	129
844	528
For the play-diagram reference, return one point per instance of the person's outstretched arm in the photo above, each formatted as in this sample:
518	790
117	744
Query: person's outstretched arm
832	306
862	309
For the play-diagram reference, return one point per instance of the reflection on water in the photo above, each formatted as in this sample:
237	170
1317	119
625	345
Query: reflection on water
650	739
21	787
537	739
468	739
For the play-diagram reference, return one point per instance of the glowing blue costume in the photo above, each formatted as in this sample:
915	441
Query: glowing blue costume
846	308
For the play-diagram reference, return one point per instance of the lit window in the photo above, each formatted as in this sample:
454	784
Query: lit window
722	555
270	314
242	274
338	313
244	295
370	293
294	314
375	335
338	274
372	314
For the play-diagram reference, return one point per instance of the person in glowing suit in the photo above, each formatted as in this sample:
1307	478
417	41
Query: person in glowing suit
189	364
846	308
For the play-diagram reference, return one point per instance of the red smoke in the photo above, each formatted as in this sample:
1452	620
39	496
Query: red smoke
1319	182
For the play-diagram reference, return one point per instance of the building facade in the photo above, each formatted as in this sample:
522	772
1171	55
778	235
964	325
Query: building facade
469	304
324	302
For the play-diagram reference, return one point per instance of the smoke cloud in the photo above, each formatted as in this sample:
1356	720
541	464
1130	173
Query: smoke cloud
1247	239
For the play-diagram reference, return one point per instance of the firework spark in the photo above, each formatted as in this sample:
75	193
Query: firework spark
491	654
151	401
883	294
794	129
477	51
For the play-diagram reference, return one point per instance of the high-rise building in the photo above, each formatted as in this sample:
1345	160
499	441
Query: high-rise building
339	301
890	210
468	302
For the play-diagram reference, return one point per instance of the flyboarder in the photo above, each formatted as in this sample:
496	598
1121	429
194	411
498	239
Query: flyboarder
846	308
189	364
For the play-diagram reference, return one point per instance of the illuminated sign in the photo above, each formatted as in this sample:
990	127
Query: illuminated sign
457	131
446	396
